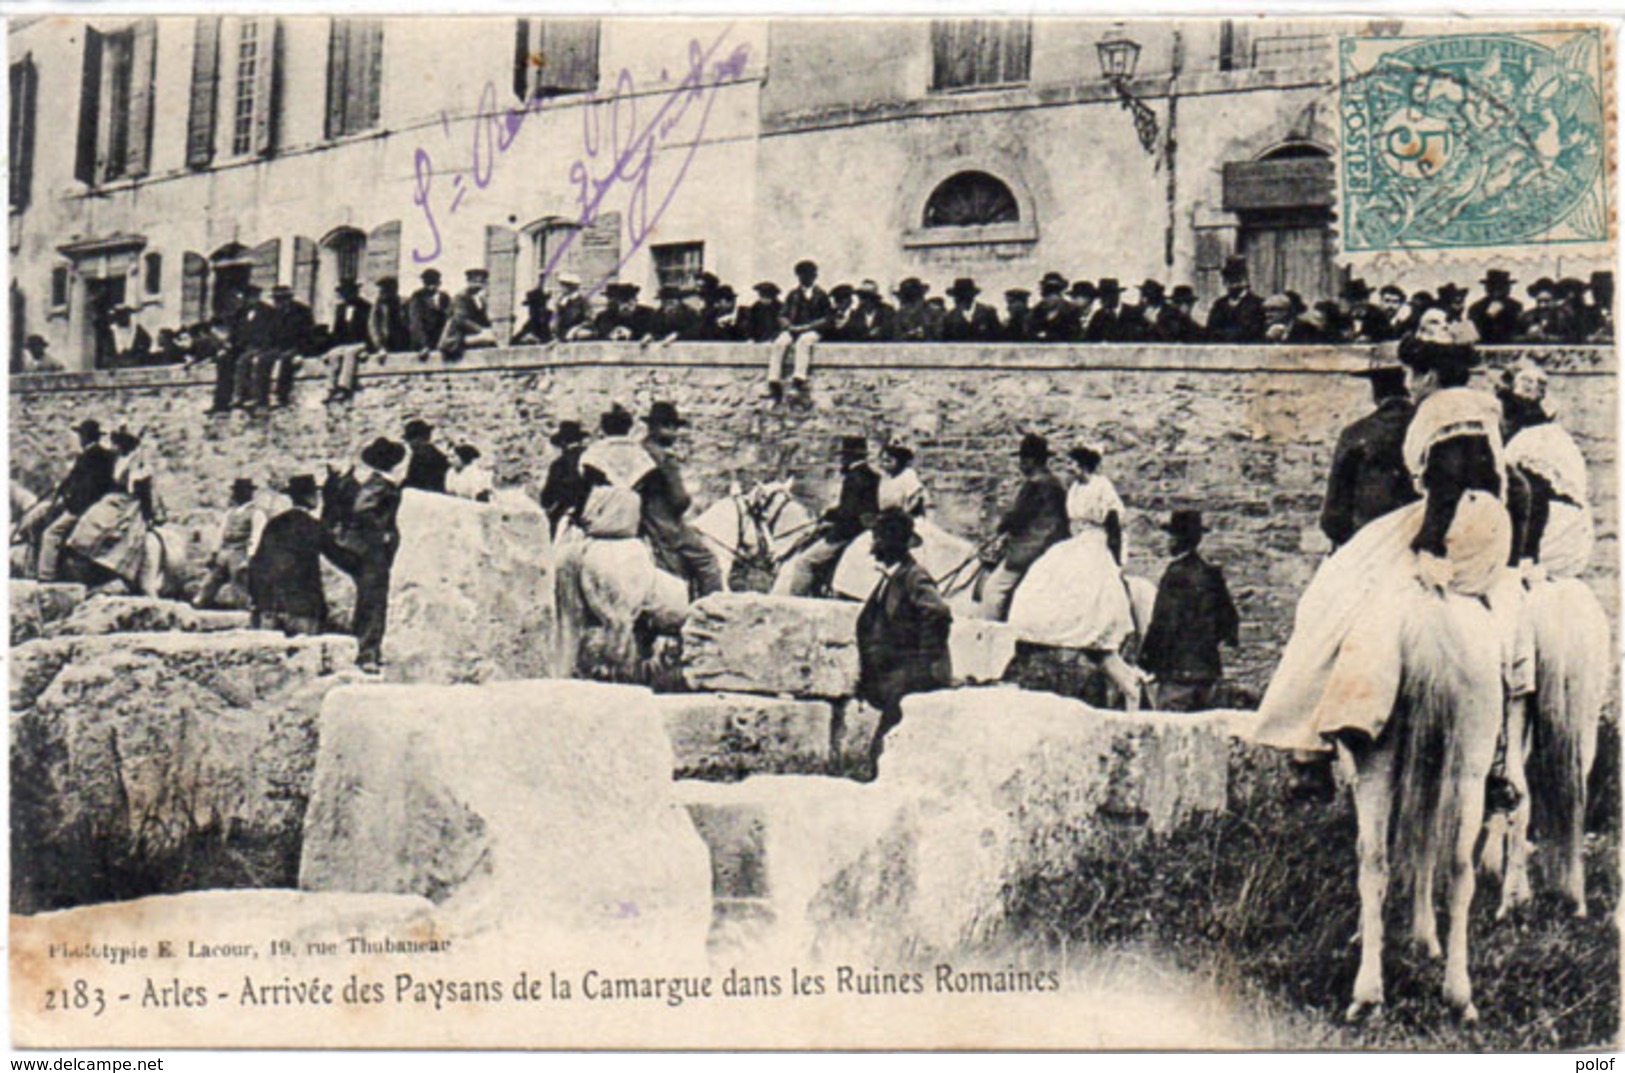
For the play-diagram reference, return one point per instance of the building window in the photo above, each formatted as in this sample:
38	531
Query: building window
553	57
59	289
972	53
248	60
255	83
355	67
1241	49
971	199
115	105
679	264
152	274
20	140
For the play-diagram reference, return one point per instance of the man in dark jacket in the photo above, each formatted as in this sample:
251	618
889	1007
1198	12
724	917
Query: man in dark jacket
1017	314
285	572
1497	315
1192	616
368	542
1105	323
348	341
468	324
89	478
674	320
917	320
967	320
623	319
1054	319
677	546
426	313
873	321
720	320
1036	520
1237	316
429	465
812	568
902	630
571	319
538	326
803	320
1369	477
289	329
761	318
387	330
565	491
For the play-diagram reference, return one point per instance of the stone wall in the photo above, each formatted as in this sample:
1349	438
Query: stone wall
1245	434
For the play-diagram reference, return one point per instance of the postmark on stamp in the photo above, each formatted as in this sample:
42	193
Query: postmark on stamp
1463	141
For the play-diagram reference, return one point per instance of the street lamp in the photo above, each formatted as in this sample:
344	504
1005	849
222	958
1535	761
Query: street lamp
1119	55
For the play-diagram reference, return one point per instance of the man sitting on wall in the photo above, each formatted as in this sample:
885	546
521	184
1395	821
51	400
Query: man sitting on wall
469	324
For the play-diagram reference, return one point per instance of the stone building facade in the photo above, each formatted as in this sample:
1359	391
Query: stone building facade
159	160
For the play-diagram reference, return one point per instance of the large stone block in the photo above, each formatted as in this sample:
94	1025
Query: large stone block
750	643
546	802
731	735
144	614
471	593
145	763
985	789
36	605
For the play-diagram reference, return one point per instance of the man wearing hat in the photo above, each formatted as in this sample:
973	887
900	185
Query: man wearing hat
1365	322
240	532
1237	316
348	341
285	571
803	319
538	327
427	470
1193	614
279	336
369	540
1369	477
1035	520
468	324
843	306
1135	322
1104	322
1174	322
89	478
968	321
1550	321
1598	319
387	331
677	546
856	508
917	320
571	319
623	319
674	320
902	630
761	317
38	360
720	320
253	334
1054	319
874	321
426	313
1017	327
1497	315
565	491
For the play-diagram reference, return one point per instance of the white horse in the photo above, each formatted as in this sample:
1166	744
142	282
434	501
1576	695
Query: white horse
751	533
614	584
1419	787
946	557
154	578
1550	749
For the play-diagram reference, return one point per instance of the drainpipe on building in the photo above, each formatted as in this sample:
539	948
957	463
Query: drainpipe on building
1171	147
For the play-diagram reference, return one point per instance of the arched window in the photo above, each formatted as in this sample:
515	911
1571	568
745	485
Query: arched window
971	199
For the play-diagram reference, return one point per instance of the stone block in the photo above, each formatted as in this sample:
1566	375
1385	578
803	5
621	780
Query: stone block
984	789
174	761
731	735
981	650
35	605
543	802
144	614
471	592
752	643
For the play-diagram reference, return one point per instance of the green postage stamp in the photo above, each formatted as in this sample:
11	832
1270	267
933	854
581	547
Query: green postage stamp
1468	140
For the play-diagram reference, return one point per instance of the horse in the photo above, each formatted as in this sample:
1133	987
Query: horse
1551	746
615	584
153	578
752	533
948	558
1419	786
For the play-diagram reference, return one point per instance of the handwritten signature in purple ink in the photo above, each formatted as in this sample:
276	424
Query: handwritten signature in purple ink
495	130
619	155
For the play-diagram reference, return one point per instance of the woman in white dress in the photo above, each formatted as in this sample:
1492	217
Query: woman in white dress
1074	596
940	552
113	532
1562	533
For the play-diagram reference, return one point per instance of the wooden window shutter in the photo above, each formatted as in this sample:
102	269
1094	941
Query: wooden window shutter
24	117
338	57
90	102
1016	50
521	60
304	270
384	252
597	249
372	66
263	263
201	119
267	86
194	286
567	56
143	69
502	261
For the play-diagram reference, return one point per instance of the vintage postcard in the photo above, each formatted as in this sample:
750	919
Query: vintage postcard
824	533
